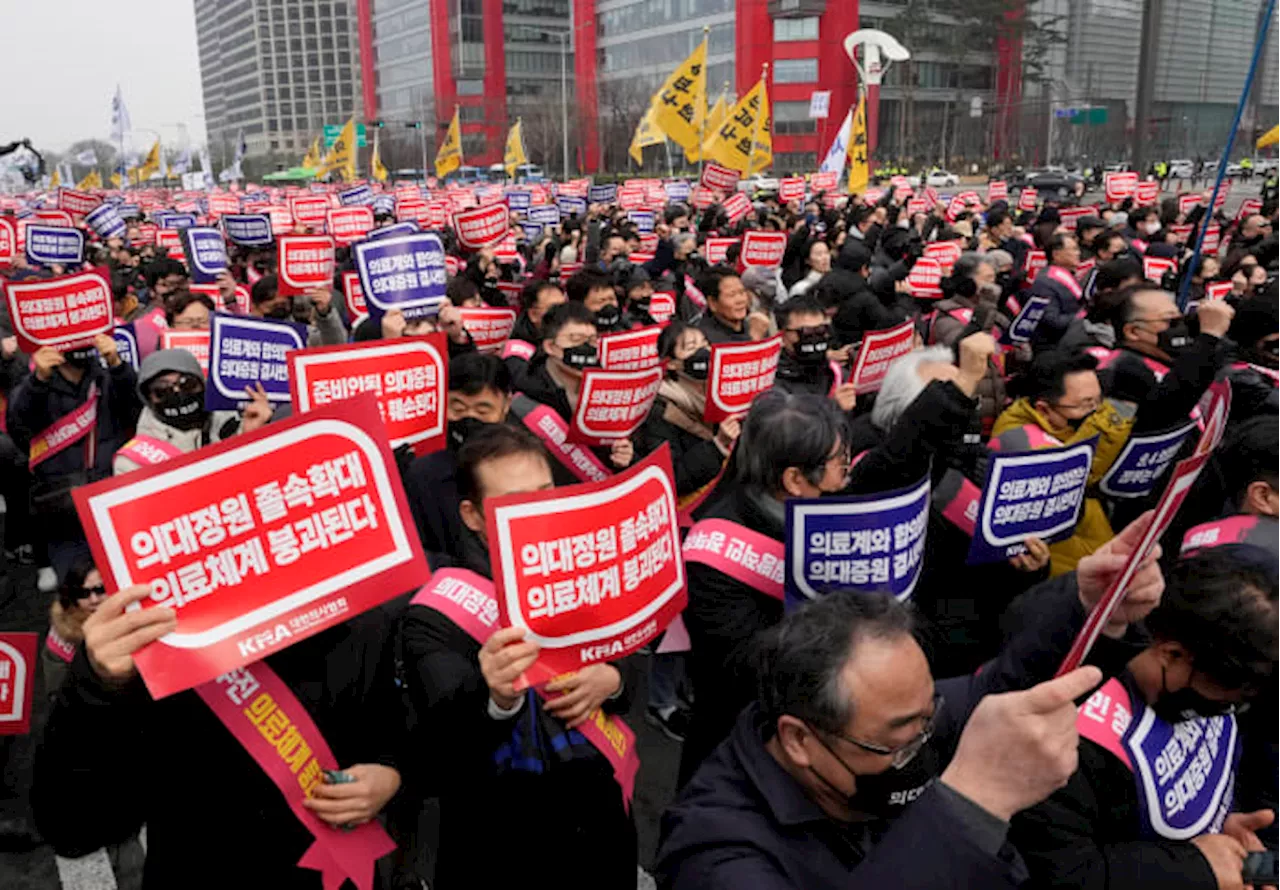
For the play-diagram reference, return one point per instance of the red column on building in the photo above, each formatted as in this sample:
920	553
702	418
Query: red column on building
584	74
446	89
835	70
368	79
495	86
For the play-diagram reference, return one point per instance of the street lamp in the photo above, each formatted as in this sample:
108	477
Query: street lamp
563	38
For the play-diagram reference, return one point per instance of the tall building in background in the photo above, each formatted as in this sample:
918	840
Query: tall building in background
279	70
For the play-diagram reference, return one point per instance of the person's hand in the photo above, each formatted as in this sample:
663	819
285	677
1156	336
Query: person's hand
354	803
8	346
46	359
393	324
321	298
662	230
450	321
1215	317
503	658
621	453
1225	856
1095	572
1035	559
727	434
975	353
840	355
112	635
1020	747
1243	828
227	289
258	411
846	396
106	346
583	691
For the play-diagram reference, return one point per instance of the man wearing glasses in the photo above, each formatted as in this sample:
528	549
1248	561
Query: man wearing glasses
855	769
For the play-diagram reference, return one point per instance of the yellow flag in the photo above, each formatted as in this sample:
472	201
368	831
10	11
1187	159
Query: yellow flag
647	133
449	155
858	172
55	180
515	155
311	159
715	117
376	168
151	164
744	140
91	181
116	181
680	105
342	155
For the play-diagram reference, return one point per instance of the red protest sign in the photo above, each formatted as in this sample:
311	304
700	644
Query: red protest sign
662	306
945	252
1036	260
305	262
77	203
412	208
763	248
222	204
1154	268
481	226
1071	216
739	372
146	233
254	552
1120	184
736	206
408	376
1147	192
1027	199
1248	207
489	327
631	196
631	350
1187	203
701	197
353	295
347	225
54	218
65	312
877	352
1217	290
917	205
1212	239
925	279
8	241
281	219
613	404
17	681
720	178
824	181
997	190
716	250
309	210
194	342
592	571
171	241
791	188
1216	405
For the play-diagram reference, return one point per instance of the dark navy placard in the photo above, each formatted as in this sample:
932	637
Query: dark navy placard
1030	494
245	351
865	543
47	245
532	231
602	194
357	195
544	214
643	219
248	229
1143	462
570	205
408	227
126	344
206	253
175	220
406	272
105	219
678	190
519	200
384	205
1024	324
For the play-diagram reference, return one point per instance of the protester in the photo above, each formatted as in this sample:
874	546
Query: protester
80	593
189	312
1057	282
324	323
536	298
728	304
594	291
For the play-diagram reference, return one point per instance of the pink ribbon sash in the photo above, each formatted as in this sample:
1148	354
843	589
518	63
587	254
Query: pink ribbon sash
734	550
146	451
62	648
66	431
550	427
1066	279
1105	716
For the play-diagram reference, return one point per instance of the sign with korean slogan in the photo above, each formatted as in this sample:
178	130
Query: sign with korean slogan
206	253
17	682
356	196
488	327
643	220
1028	318
630	350
78	204
603	194
50	245
257	542
309	210
739	372
126	344
194	342
248	229
106	221
353	296
592	571
716	250
347	225
65	312
407	375
1030	494
406	272
305	262
482	226
720	178
613	404
544	214
1143	462
571	205
763	249
868	543
877	352
175	220
1119	185
245	353
8	241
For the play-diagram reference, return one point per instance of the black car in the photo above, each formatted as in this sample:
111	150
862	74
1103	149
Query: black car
1047	182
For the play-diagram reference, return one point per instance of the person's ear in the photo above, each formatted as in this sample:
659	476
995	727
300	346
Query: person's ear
1170	653
1042	407
791	737
1260	499
471	517
551	349
794	482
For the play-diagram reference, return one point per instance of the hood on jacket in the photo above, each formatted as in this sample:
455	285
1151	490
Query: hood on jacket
166	361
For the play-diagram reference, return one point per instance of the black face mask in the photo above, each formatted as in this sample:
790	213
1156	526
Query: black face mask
698	365
811	349
1186	704
80	358
1076	422
886	795
1174	340
280	312
462	430
608	317
182	411
582	356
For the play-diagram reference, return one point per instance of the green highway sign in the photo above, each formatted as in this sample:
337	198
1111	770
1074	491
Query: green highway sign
331	132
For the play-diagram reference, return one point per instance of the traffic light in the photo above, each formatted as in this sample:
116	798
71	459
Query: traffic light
413	125
377	124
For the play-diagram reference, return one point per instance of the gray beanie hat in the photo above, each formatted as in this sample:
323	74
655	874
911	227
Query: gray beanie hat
166	361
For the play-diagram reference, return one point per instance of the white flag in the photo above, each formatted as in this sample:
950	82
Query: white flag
834	161
64	172
183	163
120	123
87	158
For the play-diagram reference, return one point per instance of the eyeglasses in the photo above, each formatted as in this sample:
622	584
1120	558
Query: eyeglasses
98	590
902	754
1089	405
185	384
1171	319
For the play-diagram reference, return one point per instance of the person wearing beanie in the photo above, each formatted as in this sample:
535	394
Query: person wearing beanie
174	419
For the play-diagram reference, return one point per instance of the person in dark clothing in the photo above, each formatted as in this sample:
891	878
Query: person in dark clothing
728	304
594	290
859	308
1255	329
855	769
803	365
1119	822
344	678
1106	247
1057	283
520	751
536	299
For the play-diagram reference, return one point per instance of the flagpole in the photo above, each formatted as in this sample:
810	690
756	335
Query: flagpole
755	133
702	129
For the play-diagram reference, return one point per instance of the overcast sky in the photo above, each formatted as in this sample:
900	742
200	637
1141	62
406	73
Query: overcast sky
76	51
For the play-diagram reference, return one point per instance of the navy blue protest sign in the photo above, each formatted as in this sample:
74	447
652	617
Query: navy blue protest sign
49	245
384	205
532	231
1024	324
867	543
248	229
245	352
405	272
401	228
168	220
129	211
1143	462
357	195
519	200
643	219
570	205
126	344
544	214
206	253
1030	494
603	194
678	190
105	219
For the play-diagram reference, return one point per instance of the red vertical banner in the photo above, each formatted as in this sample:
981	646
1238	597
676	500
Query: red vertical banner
17	681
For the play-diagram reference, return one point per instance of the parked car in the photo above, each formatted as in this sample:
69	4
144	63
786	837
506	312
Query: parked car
530	173
936	179
1182	168
1046	181
758	182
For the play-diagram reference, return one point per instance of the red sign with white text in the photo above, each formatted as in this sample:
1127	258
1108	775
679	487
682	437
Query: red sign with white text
877	352
54	218
997	190
222	204
1147	193
65	312
8	241
662	306
1036	260
17	681
353	294
764	249
305	262
347	225
720	178
408	376
1027	199
1217	290
194	342
309	210
1120	184
481	226
945	252
716	250
701	197
791	188
613	404
1154	268
489	327
171	241
592	571
739	372
925	279
631	350
824	181
737	206
257	542
77	203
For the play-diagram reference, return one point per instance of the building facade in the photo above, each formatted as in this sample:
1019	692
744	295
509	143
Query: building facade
278	70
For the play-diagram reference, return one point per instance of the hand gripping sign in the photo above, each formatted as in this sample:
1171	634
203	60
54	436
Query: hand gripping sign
489	328
592	571
481	226
763	249
65	312
739	372
257	542
1030	494
868	543
17	682
1119	185
406	272
408	376
194	342
248	229
50	245
877	352
613	404
720	178
206	253
347	225
631	350
246	352
1143	462
306	262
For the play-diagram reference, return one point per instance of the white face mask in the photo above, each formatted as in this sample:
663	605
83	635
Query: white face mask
1151	227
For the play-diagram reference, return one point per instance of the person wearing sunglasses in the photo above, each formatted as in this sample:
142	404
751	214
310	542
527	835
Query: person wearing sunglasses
79	595
804	365
1156	801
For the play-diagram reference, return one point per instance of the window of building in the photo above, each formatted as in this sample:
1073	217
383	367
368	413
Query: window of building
470	87
795	71
785	30
794	161
793	118
471	114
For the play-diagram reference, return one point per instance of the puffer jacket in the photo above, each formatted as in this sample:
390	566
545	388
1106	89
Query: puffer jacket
220	425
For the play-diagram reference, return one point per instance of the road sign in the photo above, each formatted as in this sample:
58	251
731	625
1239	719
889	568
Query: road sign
331	132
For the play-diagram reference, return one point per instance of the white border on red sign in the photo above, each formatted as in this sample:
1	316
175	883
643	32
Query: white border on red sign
603	376
19	684
28	287
717	359
1018	460
295	242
